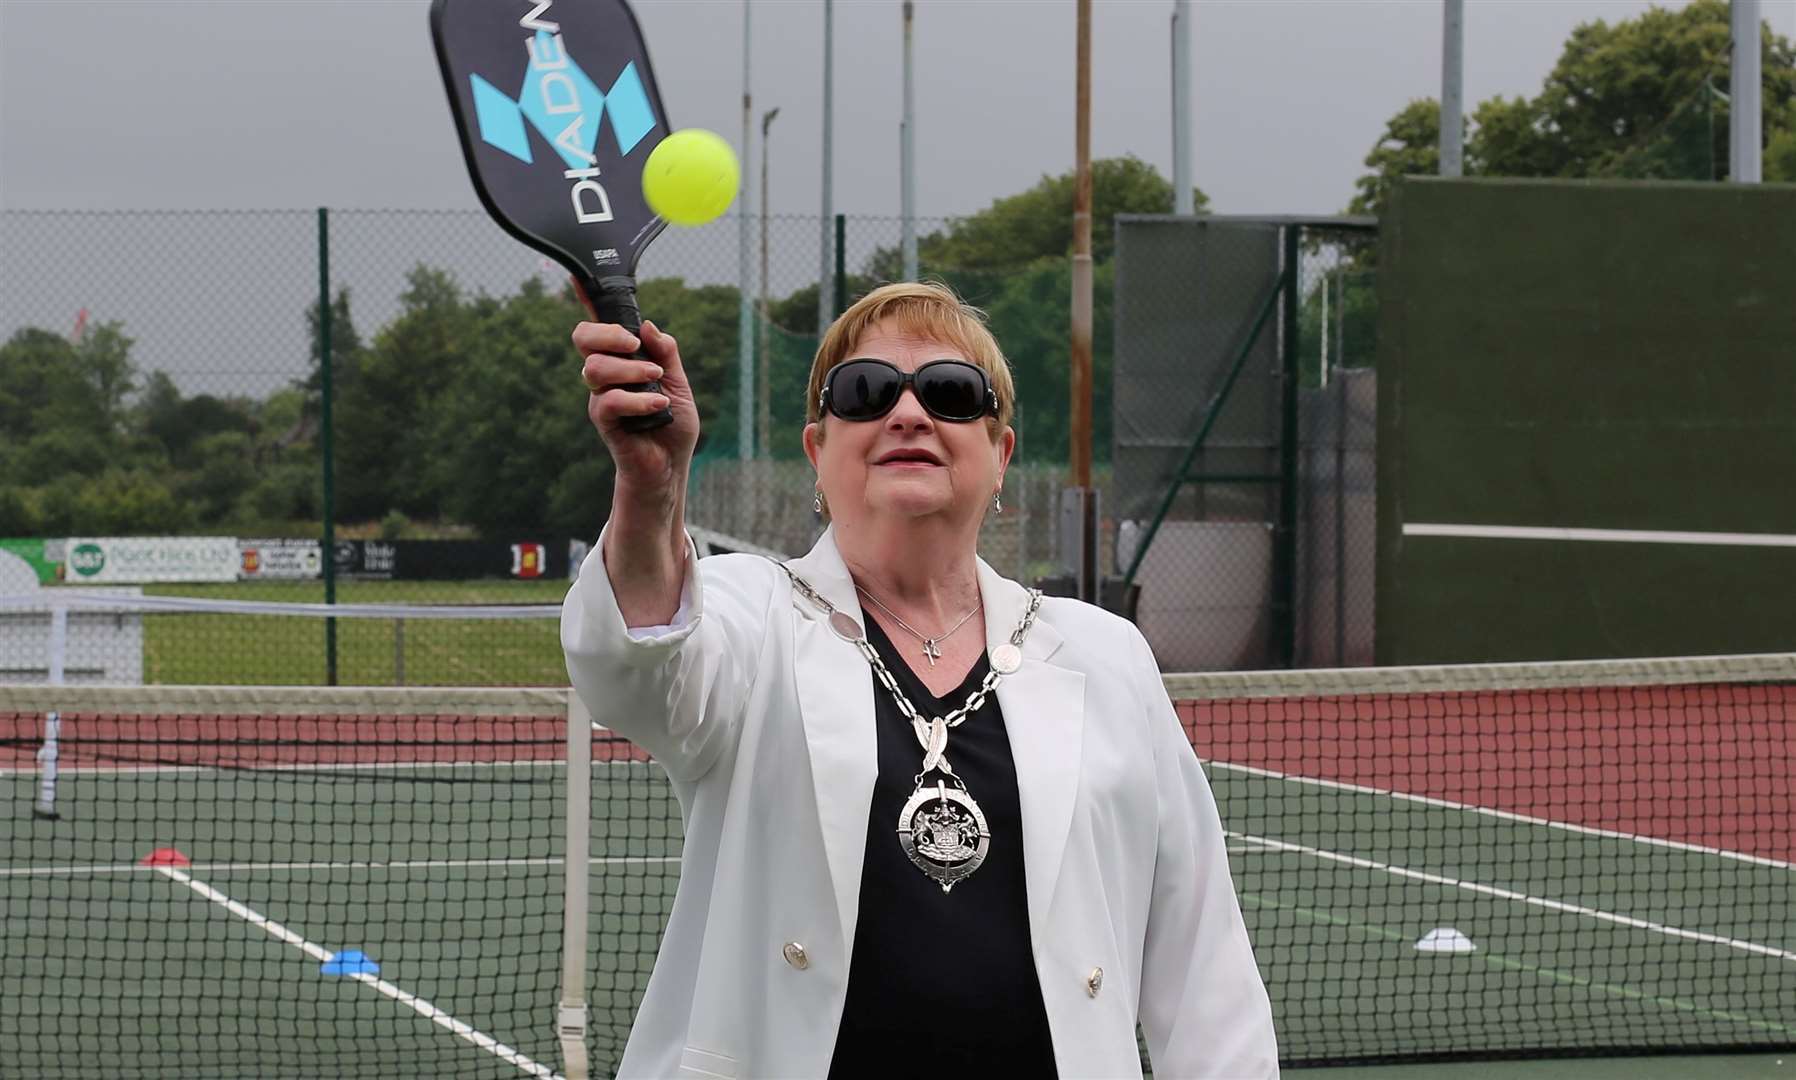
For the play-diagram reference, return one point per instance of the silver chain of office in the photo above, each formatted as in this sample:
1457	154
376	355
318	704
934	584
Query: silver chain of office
942	830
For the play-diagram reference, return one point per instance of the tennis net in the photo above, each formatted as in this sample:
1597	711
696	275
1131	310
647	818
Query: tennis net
1433	863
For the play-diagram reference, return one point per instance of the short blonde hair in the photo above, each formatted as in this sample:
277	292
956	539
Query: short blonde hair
923	309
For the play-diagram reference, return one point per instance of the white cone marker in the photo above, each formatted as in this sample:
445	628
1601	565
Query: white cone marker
1445	939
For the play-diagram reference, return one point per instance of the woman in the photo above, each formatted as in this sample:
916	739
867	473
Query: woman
951	830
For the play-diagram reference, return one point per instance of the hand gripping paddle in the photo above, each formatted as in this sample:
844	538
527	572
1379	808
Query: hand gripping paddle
557	109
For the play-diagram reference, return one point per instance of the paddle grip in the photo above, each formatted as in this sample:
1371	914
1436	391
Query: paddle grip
614	301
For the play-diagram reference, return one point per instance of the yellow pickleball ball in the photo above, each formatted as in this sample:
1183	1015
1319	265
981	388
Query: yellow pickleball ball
691	177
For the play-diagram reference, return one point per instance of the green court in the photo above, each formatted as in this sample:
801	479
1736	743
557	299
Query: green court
448	878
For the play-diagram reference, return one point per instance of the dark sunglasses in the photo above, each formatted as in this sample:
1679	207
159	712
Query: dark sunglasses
866	389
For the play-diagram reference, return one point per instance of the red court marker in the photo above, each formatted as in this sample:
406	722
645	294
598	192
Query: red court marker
165	856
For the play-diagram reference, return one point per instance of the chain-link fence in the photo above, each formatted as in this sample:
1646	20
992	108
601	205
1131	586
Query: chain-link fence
162	376
1244	438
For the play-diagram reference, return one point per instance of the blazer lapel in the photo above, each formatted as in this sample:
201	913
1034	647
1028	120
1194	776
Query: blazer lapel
835	699
1044	717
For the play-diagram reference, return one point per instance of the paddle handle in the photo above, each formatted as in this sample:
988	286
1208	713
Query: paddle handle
614	301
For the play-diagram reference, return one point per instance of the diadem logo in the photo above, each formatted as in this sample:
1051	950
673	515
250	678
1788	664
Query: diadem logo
564	105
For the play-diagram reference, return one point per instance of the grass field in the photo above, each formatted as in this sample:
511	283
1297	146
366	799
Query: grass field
448	877
285	651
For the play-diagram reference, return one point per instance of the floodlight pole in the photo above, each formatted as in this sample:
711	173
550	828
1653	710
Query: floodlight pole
907	152
1452	146
1745	155
1182	201
1083	499
826	219
766	377
745	312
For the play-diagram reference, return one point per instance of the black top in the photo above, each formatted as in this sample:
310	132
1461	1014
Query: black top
942	983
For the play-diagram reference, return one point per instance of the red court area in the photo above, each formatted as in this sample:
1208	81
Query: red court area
1704	764
125	741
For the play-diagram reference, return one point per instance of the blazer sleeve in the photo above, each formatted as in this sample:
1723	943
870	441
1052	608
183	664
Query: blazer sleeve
1204	1009
677	692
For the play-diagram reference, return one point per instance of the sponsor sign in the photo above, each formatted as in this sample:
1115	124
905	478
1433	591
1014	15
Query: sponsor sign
378	559
280	559
448	560
527	560
34	552
141	559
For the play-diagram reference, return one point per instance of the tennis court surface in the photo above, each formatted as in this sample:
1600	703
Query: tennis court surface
1434	863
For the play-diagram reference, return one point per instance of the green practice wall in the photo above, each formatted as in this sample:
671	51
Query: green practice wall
1596	356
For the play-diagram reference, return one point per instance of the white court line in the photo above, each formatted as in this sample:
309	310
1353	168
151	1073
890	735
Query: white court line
414	864
312	766
423	1008
1522	898
1506	815
1618	536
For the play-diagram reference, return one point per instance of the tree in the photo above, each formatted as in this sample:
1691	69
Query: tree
1410	146
1640	99
50	383
388	395
1035	224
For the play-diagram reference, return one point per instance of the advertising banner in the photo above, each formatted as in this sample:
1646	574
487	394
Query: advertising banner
449	560
286	560
143	559
32	551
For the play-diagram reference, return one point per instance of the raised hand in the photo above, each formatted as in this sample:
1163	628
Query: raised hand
648	462
645	539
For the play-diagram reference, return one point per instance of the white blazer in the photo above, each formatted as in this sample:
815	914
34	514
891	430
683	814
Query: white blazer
763	719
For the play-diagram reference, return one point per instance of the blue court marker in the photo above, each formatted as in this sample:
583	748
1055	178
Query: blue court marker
350	962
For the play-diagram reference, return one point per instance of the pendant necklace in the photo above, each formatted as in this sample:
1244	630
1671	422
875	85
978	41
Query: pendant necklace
929	643
942	830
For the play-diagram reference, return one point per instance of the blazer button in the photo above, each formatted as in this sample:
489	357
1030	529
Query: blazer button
794	954
1095	981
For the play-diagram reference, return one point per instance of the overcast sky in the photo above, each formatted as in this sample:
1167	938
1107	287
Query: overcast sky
258	104
296	103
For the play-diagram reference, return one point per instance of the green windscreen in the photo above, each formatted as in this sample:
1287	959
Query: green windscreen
1587	421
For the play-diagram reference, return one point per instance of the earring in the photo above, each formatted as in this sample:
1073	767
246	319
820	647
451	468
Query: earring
817	501
998	501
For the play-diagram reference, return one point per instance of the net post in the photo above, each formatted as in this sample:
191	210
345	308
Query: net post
45	806
571	1017
55	664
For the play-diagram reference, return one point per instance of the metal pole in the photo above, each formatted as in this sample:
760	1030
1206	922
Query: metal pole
572	1012
826	219
841	283
1322	353
1284	537
745	312
766	378
1453	88
1745	156
1182	200
1085	570
907	166
327	440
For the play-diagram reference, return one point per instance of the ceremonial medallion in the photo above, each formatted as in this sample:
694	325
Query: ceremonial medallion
1006	658
944	833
